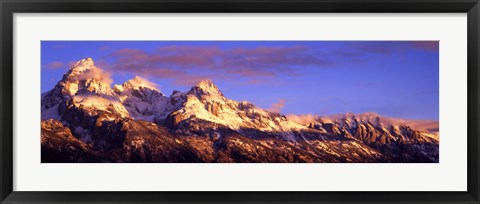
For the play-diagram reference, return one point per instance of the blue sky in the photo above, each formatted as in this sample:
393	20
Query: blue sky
392	78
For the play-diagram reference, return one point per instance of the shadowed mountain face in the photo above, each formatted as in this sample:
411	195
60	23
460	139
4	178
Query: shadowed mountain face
85	120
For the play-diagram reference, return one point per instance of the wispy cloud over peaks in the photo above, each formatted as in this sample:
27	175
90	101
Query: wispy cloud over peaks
188	64
278	106
182	63
303	119
138	81
55	65
427	45
361	48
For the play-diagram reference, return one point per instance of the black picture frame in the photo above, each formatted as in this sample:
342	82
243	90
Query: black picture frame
10	7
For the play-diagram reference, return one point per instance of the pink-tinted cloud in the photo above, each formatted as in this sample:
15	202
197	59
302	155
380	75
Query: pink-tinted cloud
278	106
127	52
213	58
359	52
205	51
185	63
138	81
268	58
55	65
303	119
427	45
97	73
189	80
178	61
179	77
178	56
255	82
400	46
249	72
263	50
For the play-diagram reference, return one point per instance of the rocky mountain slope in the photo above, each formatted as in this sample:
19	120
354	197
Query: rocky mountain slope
84	119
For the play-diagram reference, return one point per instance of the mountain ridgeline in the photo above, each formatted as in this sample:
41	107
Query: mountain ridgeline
84	119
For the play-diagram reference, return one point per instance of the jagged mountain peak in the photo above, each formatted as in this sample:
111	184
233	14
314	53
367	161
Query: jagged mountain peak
206	87
350	116
367	117
84	77
206	82
136	83
139	82
83	65
352	119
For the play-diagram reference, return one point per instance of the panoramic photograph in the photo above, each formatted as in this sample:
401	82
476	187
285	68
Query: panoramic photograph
240	102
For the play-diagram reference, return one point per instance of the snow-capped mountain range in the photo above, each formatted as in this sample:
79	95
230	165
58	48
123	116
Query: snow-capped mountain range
136	122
